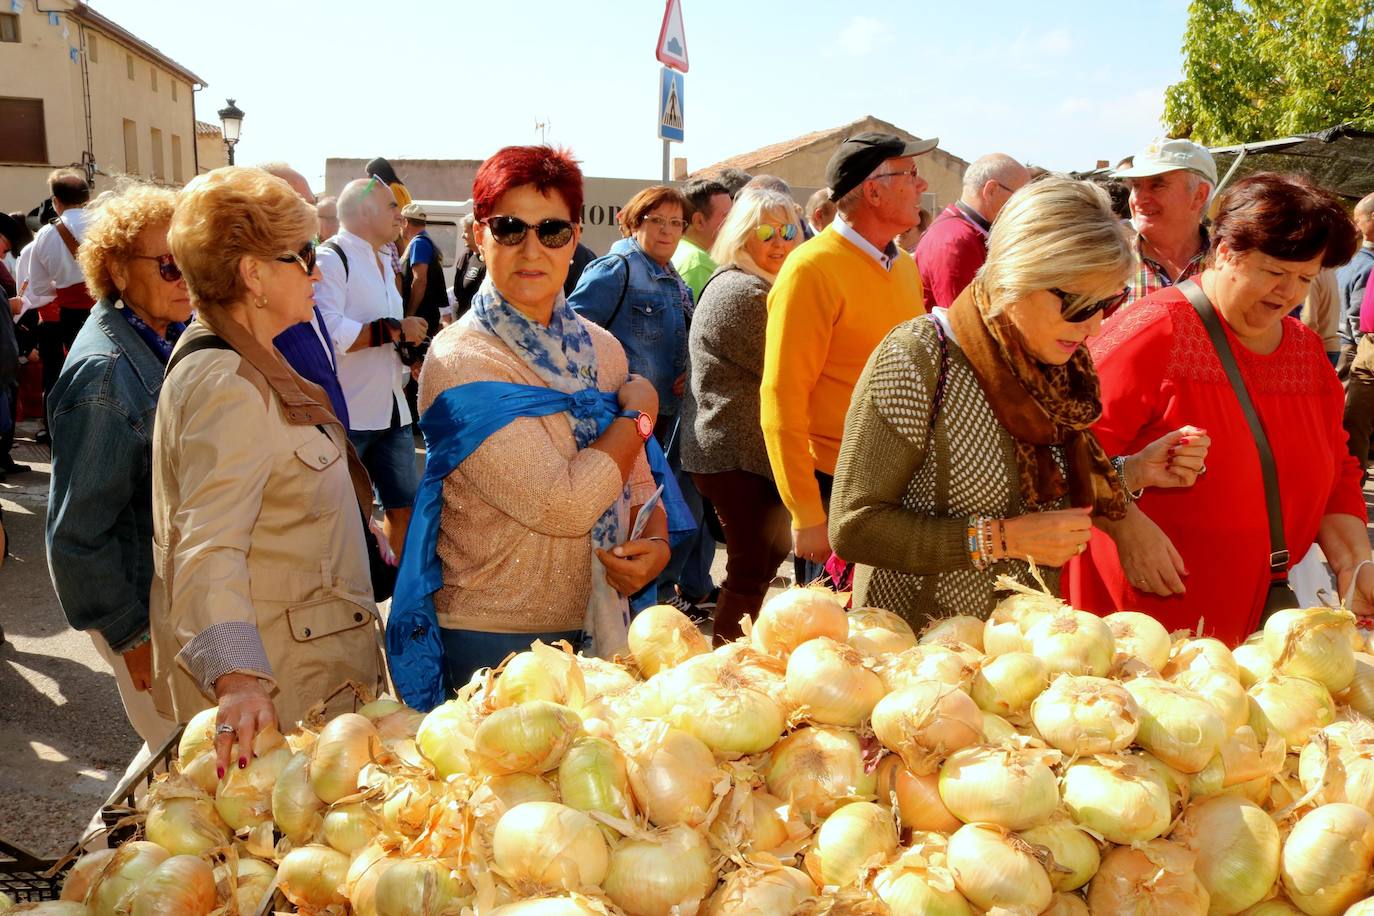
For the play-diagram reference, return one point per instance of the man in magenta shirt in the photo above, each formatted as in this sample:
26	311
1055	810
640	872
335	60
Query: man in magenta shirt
956	244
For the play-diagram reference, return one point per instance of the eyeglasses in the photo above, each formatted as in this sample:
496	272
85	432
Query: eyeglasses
1075	308
658	222
912	172
765	232
166	267
511	231
305	257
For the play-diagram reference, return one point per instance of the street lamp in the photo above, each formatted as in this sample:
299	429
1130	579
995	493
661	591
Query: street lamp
231	120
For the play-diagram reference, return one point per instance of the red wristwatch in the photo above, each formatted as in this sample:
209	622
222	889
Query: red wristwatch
643	424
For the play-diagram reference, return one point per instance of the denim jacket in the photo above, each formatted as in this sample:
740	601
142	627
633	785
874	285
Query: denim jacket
100	505
652	322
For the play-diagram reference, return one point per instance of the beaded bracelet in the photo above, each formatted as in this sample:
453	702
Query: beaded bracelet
971	535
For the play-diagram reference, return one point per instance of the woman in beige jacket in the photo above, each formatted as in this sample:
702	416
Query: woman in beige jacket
262	601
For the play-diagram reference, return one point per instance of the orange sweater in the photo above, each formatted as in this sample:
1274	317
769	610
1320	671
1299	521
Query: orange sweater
830	307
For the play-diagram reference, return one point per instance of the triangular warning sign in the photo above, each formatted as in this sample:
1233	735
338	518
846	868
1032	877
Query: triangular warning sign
672	38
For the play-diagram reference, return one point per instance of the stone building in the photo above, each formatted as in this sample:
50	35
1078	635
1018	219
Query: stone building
80	90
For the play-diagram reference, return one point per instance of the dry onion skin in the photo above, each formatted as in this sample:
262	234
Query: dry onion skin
817	768
795	616
1237	847
1199	655
754	890
925	722
672	774
1086	715
1153	879
919	884
1326	859
661	637
1337	765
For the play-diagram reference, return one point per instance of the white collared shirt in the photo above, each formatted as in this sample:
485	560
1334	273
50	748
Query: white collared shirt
884	258
51	266
373	378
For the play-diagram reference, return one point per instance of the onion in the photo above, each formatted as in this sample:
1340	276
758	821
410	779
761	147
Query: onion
1274	907
1223	691
1120	798
295	806
201	771
662	874
760	891
527	676
994	868
529	738
1154	879
1200	655
364	872
1359	696
77	882
829	679
1364	908
961	628
917	797
1316	643
112	890
795	616
419	886
1005	786
593	777
855	837
672	774
406	806
45	908
661	637
1073	642
344	747
252	878
1067	905
925	722
244	797
1086	715
313	876
816	769
349	828
731	721
1176	725
1139	636
550	844
1005	685
1075	853
445	737
1338	764
1294	708
184	825
1326	859
919	884
997	730
1253	663
925	663
184	885
1237	849
875	632
198	737
1007	626
576	905
769	822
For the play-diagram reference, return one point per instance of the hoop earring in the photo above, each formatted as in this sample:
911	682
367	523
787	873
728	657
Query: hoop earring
262	302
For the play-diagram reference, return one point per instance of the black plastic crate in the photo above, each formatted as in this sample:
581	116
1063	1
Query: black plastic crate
123	802
24	876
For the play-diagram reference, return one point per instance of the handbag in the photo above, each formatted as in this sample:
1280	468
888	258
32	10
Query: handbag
1280	596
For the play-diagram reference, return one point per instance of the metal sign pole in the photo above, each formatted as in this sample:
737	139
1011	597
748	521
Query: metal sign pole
667	153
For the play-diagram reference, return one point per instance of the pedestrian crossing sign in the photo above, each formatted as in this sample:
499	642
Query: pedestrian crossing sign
671	125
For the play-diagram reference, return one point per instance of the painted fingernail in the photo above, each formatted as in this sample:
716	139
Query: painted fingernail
219	771
243	762
1184	441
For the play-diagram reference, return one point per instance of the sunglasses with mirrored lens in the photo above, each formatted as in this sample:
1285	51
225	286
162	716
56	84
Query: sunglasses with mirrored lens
305	257
166	266
511	230
765	232
1074	308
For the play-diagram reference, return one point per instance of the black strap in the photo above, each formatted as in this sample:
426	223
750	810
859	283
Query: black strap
1278	548
623	290
334	247
195	345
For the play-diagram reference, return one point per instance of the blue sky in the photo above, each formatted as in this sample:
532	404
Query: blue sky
1058	84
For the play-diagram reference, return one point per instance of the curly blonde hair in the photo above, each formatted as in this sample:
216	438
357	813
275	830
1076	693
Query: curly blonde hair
117	218
228	214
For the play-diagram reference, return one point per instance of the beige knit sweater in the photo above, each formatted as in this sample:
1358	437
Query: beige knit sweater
514	531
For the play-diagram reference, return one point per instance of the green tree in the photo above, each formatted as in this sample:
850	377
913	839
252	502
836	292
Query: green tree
1259	69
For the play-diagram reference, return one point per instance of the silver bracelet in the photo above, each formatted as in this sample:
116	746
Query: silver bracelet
1119	464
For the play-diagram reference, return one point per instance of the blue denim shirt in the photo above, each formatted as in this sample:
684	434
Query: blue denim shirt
652	322
100	504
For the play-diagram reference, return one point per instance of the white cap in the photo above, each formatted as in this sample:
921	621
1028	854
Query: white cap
1166	155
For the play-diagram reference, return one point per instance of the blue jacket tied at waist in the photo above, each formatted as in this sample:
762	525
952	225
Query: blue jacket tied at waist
454	426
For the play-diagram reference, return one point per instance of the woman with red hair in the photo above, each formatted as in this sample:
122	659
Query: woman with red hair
1222	354
532	483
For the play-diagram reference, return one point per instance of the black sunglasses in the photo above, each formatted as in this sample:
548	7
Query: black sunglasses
305	257
511	230
166	266
1074	308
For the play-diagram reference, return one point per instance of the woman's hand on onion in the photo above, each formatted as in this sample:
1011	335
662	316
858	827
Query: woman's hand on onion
634	564
245	710
1176	459
1362	601
1149	559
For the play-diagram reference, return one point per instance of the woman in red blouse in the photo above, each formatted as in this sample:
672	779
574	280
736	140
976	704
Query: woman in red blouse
1201	554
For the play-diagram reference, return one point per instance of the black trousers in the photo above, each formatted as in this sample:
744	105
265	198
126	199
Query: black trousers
55	338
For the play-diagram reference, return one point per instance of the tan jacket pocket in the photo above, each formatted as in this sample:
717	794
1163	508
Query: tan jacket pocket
319	453
325	617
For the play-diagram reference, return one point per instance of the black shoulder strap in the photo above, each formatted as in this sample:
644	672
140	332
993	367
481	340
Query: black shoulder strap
623	289
1278	549
195	345
334	247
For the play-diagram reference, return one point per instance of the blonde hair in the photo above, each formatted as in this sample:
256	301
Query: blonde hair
752	205
228	214
117	218
1055	232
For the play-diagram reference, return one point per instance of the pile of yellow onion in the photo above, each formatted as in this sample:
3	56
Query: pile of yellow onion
1045	761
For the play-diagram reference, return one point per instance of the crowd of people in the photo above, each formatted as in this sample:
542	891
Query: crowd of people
1140	414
